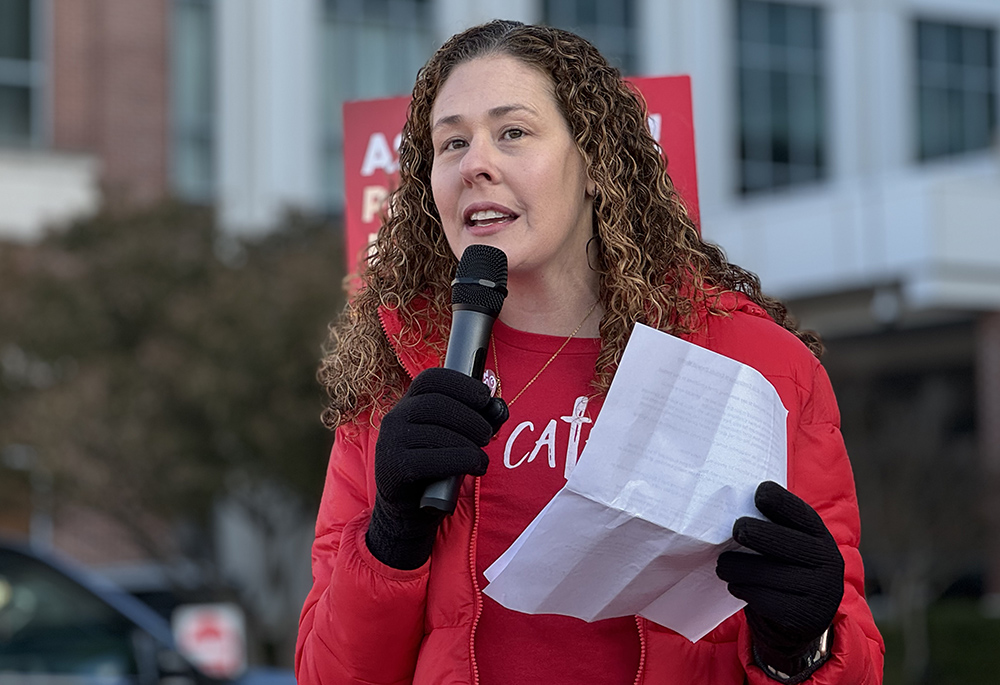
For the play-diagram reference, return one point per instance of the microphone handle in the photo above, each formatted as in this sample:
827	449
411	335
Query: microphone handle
467	344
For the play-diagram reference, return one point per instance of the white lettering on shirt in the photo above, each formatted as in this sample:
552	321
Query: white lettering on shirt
510	443
547	439
575	421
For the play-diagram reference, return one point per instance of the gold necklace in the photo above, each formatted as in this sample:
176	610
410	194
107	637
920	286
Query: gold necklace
496	365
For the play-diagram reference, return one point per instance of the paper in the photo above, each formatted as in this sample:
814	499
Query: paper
674	458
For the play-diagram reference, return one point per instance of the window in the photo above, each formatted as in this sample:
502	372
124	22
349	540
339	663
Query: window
608	25
780	75
51	626
20	73
956	88
370	49
192	83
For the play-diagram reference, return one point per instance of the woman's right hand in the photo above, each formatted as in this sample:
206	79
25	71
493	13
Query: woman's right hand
436	431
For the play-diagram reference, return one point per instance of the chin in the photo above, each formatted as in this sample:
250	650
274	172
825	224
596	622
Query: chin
493	240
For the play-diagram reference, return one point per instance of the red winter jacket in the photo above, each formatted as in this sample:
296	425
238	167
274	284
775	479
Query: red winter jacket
364	622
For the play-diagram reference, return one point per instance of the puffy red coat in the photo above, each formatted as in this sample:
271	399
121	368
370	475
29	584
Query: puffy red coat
364	622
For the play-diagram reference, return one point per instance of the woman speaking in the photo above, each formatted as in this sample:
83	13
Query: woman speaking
524	139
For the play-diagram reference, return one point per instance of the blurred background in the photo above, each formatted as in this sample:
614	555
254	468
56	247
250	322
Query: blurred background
171	251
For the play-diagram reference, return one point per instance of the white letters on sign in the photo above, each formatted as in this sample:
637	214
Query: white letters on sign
378	154
372	201
655	124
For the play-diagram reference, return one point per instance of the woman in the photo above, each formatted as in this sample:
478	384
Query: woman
523	138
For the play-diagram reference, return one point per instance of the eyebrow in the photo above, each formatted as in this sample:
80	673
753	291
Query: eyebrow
494	113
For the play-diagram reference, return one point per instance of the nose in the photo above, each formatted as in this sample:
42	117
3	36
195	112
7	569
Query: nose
478	164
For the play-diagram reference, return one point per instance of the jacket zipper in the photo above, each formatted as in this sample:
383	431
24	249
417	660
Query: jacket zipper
475	585
642	650
472	546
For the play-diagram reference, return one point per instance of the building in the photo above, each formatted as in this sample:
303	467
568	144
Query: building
847	152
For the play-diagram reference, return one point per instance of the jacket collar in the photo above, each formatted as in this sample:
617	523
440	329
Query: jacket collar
417	353
414	351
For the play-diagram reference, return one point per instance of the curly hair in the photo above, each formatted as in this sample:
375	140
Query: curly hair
654	267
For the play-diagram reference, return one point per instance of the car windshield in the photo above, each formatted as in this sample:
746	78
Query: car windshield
52	630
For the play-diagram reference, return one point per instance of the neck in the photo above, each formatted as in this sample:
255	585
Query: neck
533	308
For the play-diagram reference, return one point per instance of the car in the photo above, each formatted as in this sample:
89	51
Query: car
60	625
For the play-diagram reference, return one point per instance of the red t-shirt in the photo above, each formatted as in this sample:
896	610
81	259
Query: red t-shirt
530	460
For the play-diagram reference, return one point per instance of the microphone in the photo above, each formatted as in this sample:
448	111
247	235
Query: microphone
477	295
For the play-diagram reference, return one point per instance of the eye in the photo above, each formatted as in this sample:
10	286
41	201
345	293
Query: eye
513	133
453	144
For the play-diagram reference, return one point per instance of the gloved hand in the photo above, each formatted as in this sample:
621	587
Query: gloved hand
792	587
437	430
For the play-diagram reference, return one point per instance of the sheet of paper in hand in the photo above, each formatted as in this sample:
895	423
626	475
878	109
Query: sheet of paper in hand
683	440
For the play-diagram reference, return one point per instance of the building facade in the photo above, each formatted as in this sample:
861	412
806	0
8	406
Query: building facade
848	154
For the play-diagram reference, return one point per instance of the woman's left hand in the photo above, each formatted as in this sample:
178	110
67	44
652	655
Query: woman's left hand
793	585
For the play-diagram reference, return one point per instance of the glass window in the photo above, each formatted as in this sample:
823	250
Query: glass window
780	78
192	103
15	29
370	49
49	625
20	73
956	88
608	25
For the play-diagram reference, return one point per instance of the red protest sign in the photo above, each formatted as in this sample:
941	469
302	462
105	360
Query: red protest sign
372	131
668	100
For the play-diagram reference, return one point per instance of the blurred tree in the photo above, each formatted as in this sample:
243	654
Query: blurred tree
911	434
156	365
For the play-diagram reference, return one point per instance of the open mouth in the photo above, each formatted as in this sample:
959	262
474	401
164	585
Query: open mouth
488	217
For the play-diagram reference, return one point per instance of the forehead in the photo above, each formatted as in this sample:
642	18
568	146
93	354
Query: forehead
494	81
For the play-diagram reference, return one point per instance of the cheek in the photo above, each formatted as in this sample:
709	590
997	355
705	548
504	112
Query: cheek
439	193
435	180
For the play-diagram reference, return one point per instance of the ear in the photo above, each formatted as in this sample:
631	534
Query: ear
591	189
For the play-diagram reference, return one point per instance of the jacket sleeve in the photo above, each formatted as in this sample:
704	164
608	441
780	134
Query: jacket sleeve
819	471
362	622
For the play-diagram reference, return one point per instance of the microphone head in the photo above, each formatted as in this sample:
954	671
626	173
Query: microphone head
480	279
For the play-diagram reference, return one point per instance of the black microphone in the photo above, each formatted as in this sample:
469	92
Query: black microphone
477	295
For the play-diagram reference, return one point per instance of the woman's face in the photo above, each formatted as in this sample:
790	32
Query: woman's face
507	171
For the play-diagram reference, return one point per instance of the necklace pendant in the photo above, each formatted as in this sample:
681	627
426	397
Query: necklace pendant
492	381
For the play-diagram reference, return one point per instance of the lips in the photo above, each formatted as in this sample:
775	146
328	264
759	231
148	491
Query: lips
487	215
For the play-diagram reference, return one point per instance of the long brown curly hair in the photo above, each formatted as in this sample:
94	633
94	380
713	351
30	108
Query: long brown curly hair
654	268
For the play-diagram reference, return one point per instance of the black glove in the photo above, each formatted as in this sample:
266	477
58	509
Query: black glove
792	587
437	430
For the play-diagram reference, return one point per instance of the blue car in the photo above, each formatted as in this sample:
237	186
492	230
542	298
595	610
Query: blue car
62	626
